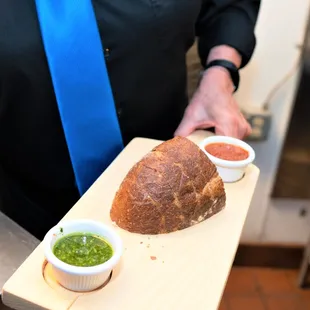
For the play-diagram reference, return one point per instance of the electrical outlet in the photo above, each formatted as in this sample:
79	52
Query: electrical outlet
260	121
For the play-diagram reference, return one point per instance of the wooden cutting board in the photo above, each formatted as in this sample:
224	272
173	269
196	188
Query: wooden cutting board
190	269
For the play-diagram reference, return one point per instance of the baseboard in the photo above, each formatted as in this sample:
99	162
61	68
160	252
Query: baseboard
271	255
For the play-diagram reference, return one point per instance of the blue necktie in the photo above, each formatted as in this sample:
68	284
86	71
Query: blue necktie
76	62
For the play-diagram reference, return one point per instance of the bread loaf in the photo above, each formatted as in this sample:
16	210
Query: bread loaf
173	187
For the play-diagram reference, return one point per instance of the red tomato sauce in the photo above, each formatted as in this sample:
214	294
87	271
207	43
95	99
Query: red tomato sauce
227	151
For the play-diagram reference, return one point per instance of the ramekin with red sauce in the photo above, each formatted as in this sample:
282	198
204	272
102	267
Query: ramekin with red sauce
230	155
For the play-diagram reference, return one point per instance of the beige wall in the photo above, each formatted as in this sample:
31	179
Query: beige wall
280	29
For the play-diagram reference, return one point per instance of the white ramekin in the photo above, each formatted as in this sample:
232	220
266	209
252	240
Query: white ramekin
82	278
230	171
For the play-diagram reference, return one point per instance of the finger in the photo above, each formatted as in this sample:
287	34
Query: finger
245	129
188	126
219	131
230	131
185	128
249	129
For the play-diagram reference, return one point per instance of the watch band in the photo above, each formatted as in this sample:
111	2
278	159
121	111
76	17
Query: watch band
231	68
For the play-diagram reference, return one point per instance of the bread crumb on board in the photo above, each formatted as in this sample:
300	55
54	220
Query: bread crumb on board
153	257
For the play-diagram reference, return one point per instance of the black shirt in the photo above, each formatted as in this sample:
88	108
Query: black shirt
145	45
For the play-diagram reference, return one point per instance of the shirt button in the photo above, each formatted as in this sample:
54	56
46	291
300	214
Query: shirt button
119	111
106	52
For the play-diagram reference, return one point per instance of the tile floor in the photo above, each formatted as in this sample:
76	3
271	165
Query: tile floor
264	289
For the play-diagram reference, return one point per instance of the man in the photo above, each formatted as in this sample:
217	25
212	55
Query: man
145	44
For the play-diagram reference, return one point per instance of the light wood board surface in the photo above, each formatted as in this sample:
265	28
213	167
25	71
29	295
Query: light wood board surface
191	266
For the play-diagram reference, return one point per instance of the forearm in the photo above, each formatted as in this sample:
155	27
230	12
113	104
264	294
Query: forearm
220	75
227	28
225	52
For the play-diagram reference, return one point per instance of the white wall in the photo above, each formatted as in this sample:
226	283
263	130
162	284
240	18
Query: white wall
284	223
281	27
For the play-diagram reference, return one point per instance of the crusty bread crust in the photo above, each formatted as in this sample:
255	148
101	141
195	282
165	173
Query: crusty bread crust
171	188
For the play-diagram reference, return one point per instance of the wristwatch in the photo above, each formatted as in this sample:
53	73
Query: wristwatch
231	68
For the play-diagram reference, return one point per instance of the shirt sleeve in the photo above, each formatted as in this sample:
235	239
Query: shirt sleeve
227	22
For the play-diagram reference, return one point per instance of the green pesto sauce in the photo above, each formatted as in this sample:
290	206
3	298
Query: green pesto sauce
83	250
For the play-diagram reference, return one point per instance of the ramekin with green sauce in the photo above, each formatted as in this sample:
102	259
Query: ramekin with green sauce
82	253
